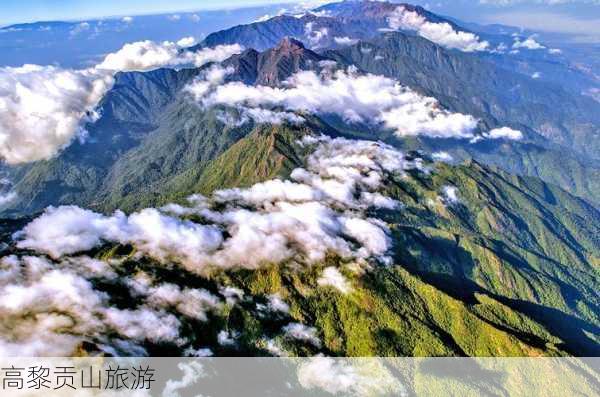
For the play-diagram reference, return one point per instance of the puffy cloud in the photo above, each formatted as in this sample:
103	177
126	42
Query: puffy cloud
7	198
226	338
442	156
450	194
43	108
320	210
528	43
315	35
143	324
276	304
193	303
51	308
349	377
555	51
146	55
440	33
70	229
192	373
186	42
536	75
345	40
303	333
356	98
127	19
80	28
504	133
332	277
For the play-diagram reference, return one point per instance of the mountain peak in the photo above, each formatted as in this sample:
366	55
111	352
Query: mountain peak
289	45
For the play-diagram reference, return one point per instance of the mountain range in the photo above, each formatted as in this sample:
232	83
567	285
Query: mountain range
493	251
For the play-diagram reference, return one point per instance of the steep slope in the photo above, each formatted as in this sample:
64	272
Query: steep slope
151	138
482	263
465	83
275	65
315	31
130	111
470	83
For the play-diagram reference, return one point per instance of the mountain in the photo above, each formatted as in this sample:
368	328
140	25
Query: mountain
506	268
180	227
273	66
558	147
78	44
464	83
315	31
149	135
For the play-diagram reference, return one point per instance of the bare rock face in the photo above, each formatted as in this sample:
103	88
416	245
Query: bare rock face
274	66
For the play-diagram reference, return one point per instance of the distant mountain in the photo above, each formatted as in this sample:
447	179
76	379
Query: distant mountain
79	44
560	134
465	83
314	31
149	134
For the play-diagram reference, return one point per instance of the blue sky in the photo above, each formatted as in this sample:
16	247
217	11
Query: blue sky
580	18
19	11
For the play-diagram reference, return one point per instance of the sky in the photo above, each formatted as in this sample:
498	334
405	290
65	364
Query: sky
21	11
580	18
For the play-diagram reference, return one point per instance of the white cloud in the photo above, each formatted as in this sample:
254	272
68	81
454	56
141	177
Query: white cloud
143	324
315	35
349	377
356	98
536	75
318	211
450	194
276	304
186	42
345	40
127	19
50	308
303	333
192	373
528	43
226	338
442	156
195	18
332	277
439	33
146	55
555	51
174	17
44	108
8	197
504	133
80	28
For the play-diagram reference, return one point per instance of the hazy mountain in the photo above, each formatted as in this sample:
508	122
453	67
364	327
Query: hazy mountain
81	43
